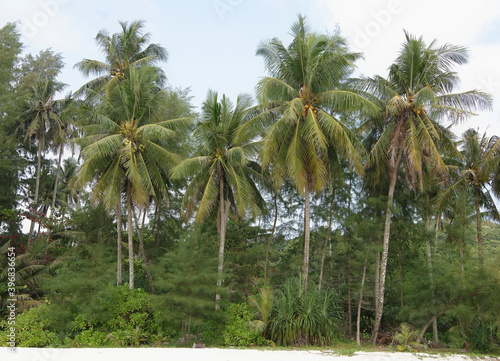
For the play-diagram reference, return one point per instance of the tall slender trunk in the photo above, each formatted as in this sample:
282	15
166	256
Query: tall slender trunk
54	195
400	261
158	210
57	177
37	185
360	302
119	243
223	222
327	239
130	236
307	235
272	236
393	173
478	224
139	235
377	278
349	300
431	272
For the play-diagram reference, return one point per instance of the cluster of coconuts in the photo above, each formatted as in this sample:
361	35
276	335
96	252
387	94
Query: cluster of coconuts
309	106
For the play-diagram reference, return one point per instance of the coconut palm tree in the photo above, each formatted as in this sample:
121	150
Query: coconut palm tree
39	116
303	96
415	96
128	48
223	169
477	172
126	148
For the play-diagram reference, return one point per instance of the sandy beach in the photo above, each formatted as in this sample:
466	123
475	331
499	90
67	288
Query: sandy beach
208	354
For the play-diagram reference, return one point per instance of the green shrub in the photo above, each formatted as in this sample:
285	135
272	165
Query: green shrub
303	317
31	329
91	338
237	331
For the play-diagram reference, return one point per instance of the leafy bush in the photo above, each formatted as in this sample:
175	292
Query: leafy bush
32	329
91	338
237	331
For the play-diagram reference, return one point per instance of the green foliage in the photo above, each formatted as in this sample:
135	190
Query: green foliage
406	338
186	280
32	329
238	331
303	317
91	338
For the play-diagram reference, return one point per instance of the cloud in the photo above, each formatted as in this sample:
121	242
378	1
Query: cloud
376	29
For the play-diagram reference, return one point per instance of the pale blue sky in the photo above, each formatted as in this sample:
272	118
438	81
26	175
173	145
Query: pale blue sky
212	43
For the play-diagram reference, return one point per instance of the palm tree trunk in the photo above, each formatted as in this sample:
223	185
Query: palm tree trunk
385	253
271	237
139	235
54	195
37	185
327	239
307	235
158	209
360	302
349	300
130	236
57	177
478	224
431	273
223	222
119	243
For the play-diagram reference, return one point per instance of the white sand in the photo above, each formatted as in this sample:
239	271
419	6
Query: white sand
208	354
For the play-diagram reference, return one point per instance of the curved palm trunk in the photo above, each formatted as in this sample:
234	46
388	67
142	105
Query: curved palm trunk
385	252
130	236
37	186
307	235
271	237
119	244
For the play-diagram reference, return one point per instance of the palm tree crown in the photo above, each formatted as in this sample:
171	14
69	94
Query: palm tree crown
122	50
303	97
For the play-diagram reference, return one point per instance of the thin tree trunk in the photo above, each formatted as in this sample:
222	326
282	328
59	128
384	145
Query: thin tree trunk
158	224
37	185
271	237
349	300
358	321
130	236
139	235
400	259
377	279
57	177
327	239
431	273
307	235
385	254
478	224
222	230
54	195
119	243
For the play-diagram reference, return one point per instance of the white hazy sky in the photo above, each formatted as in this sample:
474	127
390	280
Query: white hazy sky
212	43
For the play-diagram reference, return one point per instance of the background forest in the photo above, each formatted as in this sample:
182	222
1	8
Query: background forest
323	208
